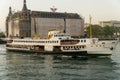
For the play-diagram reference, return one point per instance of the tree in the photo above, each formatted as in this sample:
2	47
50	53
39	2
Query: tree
2	35
108	31
96	30
102	32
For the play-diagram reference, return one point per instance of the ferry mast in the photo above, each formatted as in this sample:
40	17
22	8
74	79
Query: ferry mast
90	27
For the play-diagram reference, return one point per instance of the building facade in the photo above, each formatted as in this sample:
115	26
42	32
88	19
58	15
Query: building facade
26	23
110	23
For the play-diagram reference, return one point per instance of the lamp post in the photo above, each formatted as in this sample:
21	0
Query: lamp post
65	16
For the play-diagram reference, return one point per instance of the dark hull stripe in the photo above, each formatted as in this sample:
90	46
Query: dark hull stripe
79	53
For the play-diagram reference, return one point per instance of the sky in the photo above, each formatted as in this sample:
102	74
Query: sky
100	10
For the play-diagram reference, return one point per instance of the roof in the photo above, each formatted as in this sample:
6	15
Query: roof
55	15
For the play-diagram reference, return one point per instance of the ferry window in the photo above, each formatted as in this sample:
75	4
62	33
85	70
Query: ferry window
84	40
82	46
113	42
76	46
103	42
77	40
79	46
81	40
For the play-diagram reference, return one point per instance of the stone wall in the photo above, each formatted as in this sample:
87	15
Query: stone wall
74	27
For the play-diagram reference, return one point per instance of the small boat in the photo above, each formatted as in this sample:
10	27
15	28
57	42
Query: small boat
64	44
3	41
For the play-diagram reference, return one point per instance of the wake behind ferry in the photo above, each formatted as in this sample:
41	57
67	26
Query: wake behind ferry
62	43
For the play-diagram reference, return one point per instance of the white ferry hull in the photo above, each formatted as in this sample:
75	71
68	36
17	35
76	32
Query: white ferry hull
69	53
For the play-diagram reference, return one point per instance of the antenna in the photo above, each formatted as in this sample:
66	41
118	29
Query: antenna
53	9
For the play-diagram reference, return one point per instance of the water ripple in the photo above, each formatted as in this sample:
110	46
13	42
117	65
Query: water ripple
27	66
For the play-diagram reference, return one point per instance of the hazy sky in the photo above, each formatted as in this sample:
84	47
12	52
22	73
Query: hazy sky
100	10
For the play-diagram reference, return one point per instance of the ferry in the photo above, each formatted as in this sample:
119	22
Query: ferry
64	44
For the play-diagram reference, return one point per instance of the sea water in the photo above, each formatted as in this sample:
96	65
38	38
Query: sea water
34	66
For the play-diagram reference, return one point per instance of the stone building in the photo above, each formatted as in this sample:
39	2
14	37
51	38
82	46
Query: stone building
112	23
25	23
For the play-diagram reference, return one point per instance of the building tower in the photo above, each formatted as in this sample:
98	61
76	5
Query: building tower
10	11
24	22
18	23
24	6
7	20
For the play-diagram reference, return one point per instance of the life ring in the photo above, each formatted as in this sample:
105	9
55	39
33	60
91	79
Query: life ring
32	47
